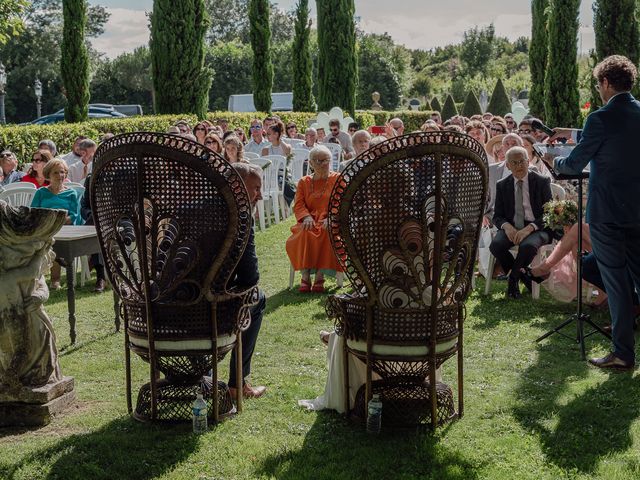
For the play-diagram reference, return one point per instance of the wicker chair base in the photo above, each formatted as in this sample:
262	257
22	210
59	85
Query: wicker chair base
175	400
406	404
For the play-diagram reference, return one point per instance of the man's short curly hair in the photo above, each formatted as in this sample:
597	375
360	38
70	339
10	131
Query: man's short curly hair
619	71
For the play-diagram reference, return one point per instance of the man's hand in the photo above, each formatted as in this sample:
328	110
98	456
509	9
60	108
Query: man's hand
389	131
522	234
559	133
510	231
307	222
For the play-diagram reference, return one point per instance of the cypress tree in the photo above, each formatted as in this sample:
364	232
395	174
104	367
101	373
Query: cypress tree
337	58
615	23
499	103
74	65
471	105
449	109
302	80
435	105
561	102
260	35
180	79
538	56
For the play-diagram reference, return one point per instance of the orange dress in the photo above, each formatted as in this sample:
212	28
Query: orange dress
311	249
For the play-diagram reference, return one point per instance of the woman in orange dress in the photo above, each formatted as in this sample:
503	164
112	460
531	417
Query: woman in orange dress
308	247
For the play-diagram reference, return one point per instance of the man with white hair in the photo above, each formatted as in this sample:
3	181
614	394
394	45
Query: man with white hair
79	170
519	208
9	172
310	138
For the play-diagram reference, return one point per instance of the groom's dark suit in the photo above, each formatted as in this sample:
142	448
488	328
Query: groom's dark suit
539	194
609	142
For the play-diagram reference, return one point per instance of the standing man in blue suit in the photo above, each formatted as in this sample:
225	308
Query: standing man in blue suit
609	142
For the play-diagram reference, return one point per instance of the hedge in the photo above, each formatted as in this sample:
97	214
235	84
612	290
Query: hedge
23	140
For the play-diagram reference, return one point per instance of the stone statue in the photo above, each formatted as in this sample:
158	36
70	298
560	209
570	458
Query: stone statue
29	370
375	96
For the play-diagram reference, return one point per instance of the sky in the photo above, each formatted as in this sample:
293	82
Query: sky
420	24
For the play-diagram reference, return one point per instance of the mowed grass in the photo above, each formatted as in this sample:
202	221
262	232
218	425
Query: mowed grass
532	411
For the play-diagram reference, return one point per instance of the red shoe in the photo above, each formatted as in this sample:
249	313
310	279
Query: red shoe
318	286
305	286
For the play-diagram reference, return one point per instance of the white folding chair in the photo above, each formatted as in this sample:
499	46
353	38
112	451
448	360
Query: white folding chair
294	142
78	187
19	196
275	179
263	163
15	185
250	156
297	164
336	155
558	192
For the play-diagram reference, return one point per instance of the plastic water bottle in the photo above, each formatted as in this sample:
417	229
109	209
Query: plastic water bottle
374	417
199	416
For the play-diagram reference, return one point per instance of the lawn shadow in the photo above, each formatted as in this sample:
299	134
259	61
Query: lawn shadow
123	448
576	431
334	448
292	297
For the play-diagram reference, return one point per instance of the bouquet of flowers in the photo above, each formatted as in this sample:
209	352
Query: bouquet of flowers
559	214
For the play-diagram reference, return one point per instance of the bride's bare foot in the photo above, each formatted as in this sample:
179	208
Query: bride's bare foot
324	336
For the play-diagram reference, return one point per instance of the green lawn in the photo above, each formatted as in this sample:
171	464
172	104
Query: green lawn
532	411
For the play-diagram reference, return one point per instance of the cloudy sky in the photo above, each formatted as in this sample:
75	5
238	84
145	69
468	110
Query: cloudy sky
415	23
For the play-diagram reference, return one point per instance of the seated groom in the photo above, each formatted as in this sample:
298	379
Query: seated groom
520	199
245	276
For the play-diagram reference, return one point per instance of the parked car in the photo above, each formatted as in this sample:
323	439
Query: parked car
94	112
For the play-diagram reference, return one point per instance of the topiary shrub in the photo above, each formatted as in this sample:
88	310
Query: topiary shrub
449	110
500	104
471	105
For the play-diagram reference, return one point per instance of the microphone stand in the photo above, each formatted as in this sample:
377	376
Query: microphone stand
579	317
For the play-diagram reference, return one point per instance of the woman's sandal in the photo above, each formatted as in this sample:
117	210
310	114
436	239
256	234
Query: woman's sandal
305	286
529	273
318	286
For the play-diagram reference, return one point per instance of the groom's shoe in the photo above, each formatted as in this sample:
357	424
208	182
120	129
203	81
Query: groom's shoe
513	287
611	362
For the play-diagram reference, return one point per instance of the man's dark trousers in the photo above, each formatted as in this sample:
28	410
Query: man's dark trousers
617	250
527	250
249	338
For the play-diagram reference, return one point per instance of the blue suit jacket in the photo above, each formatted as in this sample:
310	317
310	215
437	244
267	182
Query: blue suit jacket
610	142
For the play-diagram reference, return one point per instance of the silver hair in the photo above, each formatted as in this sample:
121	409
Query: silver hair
50	144
86	144
317	152
515	152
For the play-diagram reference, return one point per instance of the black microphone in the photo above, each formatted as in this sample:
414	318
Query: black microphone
538	125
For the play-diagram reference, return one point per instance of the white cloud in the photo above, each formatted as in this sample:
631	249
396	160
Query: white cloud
125	30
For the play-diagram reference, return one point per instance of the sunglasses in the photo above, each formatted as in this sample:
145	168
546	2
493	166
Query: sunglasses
496	129
210	142
510	122
202	129
6	155
525	131
334	130
38	160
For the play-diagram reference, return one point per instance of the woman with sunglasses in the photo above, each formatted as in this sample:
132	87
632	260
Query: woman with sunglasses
200	132
213	142
292	132
35	174
498	127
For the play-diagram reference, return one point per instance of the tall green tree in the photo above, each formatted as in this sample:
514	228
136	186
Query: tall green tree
303	100
181	81
449	109
471	105
477	49
562	100
260	34
615	23
74	66
337	58
435	105
538	56
376	73
499	104
11	23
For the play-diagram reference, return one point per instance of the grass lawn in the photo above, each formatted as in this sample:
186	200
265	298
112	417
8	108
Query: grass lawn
531	411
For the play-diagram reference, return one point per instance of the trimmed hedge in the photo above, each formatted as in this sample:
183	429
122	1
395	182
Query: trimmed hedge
23	140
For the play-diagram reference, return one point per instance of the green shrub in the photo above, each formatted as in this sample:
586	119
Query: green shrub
435	105
471	105
449	109
412	119
500	104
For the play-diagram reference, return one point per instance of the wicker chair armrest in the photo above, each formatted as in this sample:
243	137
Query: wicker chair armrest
342	309
243	300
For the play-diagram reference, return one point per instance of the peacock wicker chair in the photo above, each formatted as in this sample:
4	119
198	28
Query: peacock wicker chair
173	219
405	220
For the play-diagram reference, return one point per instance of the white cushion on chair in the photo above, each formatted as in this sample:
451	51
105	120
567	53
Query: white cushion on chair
401	350
169	345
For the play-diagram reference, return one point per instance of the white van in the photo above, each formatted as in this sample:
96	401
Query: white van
280	102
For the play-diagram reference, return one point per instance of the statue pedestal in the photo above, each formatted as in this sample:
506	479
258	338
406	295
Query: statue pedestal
36	406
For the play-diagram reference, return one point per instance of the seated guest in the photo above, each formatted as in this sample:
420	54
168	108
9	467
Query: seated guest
511	140
525	127
79	170
74	155
200	132
322	135
233	149
430	126
476	130
308	247
183	126
9	168
245	276
310	138
292	131
539	135
436	117
512	126
50	145
57	195
361	140
458	120
35	174
534	159
394	128
353	128
256	142
239	131
213	142
173	130
343	138
223	123
274	135
520	199
498	126
95	261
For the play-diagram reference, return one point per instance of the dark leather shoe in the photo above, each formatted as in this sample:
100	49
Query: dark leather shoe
611	362
100	286
513	288
526	280
529	274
